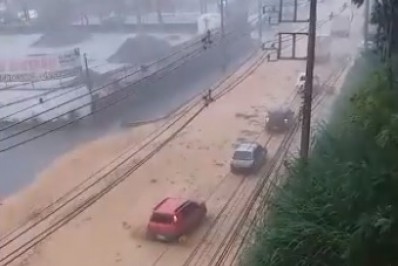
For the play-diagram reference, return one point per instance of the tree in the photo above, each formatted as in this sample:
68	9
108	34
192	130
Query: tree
385	15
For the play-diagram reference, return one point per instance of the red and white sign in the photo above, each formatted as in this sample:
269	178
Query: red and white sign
40	67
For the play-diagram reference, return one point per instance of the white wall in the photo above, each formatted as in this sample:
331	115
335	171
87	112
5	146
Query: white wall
30	100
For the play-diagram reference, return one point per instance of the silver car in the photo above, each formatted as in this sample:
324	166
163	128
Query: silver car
248	157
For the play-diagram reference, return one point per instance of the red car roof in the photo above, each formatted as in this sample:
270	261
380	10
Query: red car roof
169	205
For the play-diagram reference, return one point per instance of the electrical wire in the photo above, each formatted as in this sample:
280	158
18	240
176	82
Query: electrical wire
68	123
9	258
155	136
92	198
137	71
219	84
88	178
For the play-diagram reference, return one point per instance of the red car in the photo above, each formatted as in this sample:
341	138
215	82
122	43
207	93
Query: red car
174	217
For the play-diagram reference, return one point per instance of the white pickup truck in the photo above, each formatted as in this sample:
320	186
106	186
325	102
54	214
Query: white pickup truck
323	46
317	88
341	26
300	84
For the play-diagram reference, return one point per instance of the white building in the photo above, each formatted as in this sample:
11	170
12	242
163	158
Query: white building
57	99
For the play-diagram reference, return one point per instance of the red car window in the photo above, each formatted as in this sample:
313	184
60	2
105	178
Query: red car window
162	218
188	210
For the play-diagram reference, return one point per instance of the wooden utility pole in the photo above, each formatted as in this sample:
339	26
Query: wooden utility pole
222	15
307	106
294	35
88	80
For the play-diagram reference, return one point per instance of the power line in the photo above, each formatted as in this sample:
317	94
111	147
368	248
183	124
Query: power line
63	221
219	84
109	172
227	89
102	87
46	233
61	126
9	258
70	122
90	177
50	91
136	69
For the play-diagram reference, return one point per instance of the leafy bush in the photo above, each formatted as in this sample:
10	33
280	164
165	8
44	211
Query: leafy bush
342	208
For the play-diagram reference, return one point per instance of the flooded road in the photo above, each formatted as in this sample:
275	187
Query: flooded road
153	99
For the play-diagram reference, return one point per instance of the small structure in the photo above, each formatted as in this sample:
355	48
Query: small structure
323	47
341	26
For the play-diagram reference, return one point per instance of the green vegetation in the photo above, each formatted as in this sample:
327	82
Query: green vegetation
341	208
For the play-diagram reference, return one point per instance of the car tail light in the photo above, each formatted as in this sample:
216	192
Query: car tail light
175	218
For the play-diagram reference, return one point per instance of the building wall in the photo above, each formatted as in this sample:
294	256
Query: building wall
19	104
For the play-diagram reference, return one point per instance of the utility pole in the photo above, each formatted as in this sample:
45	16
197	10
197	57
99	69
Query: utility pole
138	10
294	34
88	80
307	106
366	24
222	14
260	21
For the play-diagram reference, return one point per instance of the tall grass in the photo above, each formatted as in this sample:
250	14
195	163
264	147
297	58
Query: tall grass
342	208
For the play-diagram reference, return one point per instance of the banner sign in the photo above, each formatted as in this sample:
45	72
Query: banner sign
41	67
